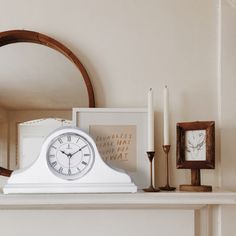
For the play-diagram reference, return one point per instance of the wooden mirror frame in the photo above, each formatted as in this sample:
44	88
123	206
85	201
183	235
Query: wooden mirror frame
17	36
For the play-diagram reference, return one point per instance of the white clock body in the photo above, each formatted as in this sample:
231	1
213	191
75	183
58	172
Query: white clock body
69	162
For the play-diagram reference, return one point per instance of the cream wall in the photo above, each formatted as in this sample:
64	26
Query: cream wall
128	46
228	97
228	114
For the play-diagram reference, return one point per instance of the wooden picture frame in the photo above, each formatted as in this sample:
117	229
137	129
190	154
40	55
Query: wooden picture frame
204	131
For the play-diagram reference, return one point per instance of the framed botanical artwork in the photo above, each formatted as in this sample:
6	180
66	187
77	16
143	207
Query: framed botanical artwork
121	138
196	145
196	151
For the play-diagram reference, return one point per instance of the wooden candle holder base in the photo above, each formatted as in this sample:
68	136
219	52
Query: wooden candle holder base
151	189
192	188
195	185
167	188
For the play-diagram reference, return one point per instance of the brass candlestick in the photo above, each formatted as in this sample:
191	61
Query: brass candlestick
166	149
151	188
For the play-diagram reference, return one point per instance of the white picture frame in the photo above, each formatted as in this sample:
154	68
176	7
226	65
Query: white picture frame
85	118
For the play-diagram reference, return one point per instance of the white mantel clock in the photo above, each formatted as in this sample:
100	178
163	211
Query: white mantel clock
69	162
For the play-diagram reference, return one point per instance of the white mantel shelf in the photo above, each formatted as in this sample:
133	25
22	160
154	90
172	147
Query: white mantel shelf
140	200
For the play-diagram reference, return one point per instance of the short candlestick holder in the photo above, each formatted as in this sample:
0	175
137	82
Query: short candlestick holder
167	187
151	188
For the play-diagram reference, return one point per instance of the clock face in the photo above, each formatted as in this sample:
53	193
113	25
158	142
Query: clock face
70	156
195	145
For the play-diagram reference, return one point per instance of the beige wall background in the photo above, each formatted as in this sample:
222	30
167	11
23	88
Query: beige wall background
228	114
128	46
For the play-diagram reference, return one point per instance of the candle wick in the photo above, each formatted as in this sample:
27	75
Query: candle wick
166	86
150	89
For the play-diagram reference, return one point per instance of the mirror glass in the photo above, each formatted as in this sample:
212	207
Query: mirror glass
31	135
36	82
37	77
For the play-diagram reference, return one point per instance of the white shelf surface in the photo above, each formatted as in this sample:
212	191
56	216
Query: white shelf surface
139	200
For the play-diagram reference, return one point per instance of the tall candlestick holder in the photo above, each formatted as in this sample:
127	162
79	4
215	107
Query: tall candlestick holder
151	188
167	187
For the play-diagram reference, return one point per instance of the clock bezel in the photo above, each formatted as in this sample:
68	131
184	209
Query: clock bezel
81	174
181	128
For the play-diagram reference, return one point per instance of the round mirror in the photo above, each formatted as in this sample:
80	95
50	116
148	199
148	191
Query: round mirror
39	78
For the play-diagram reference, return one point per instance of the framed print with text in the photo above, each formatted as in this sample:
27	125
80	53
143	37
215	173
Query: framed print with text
121	138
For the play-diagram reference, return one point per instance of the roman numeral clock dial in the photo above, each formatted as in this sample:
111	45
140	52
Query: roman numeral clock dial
70	156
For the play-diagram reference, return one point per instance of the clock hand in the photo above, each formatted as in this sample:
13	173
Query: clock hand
69	163
78	150
83	147
75	152
65	153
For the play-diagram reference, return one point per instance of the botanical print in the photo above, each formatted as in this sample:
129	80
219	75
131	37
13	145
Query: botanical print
195	145
116	144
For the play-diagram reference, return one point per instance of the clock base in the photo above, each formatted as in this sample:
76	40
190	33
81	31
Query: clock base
71	188
194	188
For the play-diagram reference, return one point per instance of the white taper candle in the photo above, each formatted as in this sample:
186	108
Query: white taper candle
166	116
150	122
